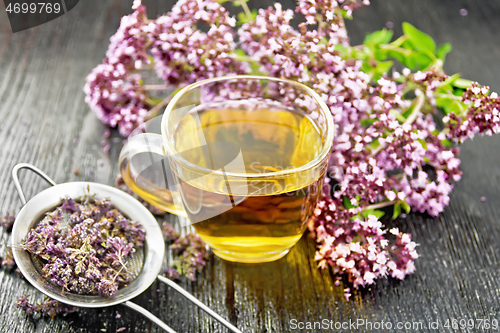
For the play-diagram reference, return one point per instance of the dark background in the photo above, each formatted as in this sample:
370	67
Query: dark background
44	121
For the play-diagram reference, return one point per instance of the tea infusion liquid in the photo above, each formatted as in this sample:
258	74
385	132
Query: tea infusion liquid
261	217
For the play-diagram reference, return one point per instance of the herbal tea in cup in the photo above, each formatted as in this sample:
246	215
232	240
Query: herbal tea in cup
246	158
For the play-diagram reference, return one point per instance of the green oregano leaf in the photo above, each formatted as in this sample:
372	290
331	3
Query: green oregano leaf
383	67
462	83
423	143
443	50
375	212
397	210
405	206
383	36
419	39
347	203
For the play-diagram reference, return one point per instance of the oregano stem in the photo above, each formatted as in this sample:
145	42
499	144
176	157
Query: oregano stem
414	114
154	110
380	205
244	5
156	87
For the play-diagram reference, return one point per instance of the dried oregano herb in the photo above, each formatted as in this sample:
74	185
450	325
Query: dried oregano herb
83	247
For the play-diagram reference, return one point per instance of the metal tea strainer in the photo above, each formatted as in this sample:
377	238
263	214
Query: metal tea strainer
148	262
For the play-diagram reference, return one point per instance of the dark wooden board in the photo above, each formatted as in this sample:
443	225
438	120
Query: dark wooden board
44	121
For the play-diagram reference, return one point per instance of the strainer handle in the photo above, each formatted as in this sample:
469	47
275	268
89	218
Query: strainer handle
149	315
198	303
17	184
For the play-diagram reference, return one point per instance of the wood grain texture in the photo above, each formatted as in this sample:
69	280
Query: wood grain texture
44	121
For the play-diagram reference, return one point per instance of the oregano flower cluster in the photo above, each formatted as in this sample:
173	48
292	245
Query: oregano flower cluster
396	132
172	46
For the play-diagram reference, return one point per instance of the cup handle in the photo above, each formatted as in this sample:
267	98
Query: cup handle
164	197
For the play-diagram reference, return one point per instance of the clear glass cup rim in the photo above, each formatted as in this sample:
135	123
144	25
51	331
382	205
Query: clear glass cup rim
168	144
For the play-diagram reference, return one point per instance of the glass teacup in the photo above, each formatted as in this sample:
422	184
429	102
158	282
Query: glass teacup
243	157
